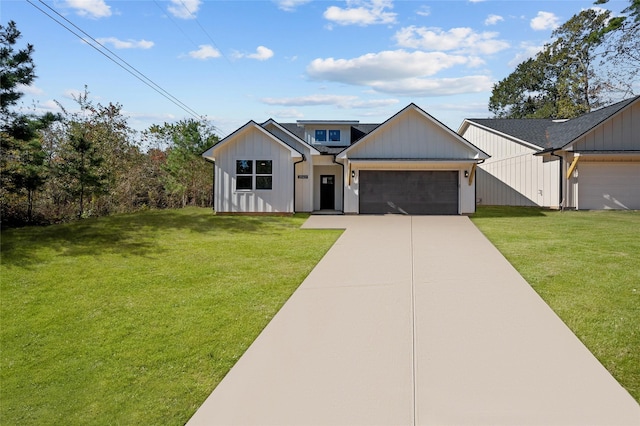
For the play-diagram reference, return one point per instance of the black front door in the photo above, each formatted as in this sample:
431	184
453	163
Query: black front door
327	192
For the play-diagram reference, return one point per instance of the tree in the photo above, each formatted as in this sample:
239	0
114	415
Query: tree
79	166
188	176
562	80
621	58
528	92
24	160
575	51
22	166
114	141
16	68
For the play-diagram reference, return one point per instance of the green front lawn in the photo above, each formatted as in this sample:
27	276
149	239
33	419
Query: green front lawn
134	319
586	266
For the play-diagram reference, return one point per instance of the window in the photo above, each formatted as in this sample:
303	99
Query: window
264	178
334	135
321	135
245	174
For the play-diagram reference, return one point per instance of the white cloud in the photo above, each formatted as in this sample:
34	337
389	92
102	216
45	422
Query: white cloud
49	106
205	51
262	54
184	9
286	113
312	100
545	21
424	11
339	101
400	73
29	90
90	8
128	44
362	12
493	19
527	51
462	40
290	5
386	65
435	86
73	93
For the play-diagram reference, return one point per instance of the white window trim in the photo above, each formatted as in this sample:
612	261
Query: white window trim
254	174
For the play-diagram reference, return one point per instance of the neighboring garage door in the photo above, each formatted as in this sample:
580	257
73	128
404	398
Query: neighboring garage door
608	186
408	192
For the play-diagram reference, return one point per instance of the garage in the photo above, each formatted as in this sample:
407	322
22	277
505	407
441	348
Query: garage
611	185
408	192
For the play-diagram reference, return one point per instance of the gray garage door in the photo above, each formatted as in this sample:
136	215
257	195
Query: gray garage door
408	192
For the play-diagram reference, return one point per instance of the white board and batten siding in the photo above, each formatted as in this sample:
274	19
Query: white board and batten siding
513	176
607	175
620	133
410	135
254	145
304	170
417	143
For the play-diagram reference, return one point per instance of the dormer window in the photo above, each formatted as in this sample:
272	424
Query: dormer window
334	135
321	135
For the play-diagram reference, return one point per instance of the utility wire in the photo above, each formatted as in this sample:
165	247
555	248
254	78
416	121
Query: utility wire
204	30
129	68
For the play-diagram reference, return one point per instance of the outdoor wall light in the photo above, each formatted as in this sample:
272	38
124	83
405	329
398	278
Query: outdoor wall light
466	173
353	173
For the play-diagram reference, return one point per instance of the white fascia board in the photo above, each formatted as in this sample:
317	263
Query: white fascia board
479	154
312	150
209	154
253	125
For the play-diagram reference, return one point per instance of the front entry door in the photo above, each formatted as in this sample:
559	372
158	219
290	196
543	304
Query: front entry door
327	192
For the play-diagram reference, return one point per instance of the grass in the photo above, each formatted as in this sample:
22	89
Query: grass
586	266
134	319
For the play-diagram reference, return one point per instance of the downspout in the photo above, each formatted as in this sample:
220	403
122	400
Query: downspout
561	180
213	183
294	181
342	165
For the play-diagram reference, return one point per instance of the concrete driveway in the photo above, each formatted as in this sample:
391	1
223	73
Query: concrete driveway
416	321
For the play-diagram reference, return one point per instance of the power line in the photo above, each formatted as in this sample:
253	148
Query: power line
204	30
129	68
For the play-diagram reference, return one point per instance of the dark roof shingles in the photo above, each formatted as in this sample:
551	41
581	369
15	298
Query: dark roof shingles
552	134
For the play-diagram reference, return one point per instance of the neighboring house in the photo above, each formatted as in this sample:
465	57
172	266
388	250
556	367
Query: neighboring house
410	164
590	163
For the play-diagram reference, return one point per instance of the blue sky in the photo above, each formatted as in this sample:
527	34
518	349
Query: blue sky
235	61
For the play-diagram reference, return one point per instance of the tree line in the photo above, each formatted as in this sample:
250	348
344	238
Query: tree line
592	60
90	162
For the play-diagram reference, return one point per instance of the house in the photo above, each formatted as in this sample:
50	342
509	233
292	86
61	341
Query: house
591	162
410	164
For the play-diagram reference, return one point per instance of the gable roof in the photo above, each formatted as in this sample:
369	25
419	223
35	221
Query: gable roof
210	153
548	134
527	130
300	138
414	107
564	134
